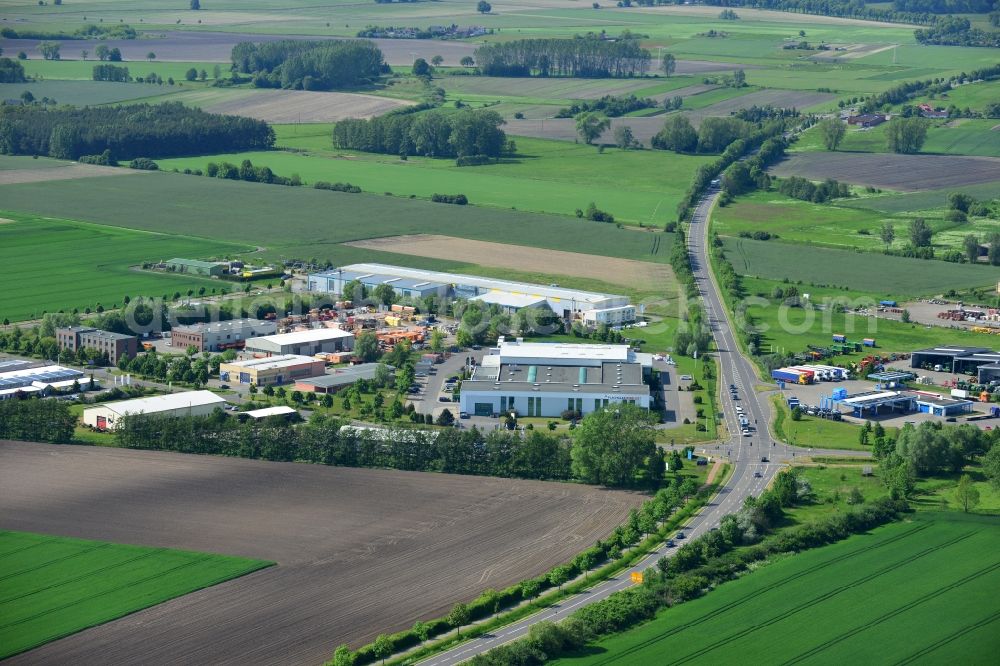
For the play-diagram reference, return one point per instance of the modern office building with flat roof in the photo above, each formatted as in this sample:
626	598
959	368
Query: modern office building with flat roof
272	370
547	379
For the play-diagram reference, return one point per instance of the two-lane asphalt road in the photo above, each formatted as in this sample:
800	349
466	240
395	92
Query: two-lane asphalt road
750	474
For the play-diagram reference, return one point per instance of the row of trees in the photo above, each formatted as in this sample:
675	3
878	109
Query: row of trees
610	105
699	566
612	447
129	131
957	31
36	420
844	8
309	65
588	56
433	134
714	134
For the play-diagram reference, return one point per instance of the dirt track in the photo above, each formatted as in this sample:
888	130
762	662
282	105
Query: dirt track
627	272
68	172
908	173
359	551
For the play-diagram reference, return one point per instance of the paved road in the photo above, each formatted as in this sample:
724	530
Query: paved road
744	452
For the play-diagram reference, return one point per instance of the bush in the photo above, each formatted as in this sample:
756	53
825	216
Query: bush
336	187
143	163
473	160
457	199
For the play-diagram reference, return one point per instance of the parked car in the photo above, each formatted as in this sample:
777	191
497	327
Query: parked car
444	398
223	386
463	415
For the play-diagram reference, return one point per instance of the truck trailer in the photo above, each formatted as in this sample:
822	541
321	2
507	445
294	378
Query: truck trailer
792	376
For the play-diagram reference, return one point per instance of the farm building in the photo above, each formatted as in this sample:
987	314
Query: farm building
547	379
953	359
115	345
302	343
187	403
258	414
867	119
988	373
196	267
220	335
511	296
338	378
19	377
271	371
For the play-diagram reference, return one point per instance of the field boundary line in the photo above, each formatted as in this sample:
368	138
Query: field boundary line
78	578
823	597
951	637
896	611
28	547
756	593
112	590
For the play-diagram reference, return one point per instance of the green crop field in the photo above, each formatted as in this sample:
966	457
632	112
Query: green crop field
87	264
83	70
546	176
54	586
957	137
919	591
81	93
310	223
859	271
920	201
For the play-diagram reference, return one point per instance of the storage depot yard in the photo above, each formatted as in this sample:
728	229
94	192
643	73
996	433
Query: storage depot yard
358	551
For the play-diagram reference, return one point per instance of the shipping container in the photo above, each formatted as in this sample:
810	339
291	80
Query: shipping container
839	337
868	342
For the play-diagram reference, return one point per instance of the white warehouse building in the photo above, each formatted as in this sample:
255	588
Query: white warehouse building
547	379
186	403
587	306
302	343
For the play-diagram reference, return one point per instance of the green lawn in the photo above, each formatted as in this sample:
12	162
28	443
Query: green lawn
87	264
811	431
546	176
917	590
859	271
311	223
56	586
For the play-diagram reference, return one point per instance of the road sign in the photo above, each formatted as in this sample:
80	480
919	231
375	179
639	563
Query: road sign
637	577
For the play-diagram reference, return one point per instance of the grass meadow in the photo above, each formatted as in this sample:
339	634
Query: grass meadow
88	264
555	177
82	93
916	590
868	272
56	586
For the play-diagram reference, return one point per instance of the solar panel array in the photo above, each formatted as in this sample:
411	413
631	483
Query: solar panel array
62	374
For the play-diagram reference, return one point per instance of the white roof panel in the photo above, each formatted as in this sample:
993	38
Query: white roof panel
165	403
270	411
272	362
299	337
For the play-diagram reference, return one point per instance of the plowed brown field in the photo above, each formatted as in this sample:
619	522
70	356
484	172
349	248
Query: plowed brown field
359	551
628	272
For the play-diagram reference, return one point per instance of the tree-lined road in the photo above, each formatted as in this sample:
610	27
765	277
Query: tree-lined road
746	452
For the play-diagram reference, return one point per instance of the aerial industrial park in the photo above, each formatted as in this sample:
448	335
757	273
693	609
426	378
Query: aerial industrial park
499	333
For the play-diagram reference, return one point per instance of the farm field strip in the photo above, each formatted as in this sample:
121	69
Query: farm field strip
358	551
858	271
69	171
546	177
630	273
54	586
892	171
889	588
303	221
77	277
